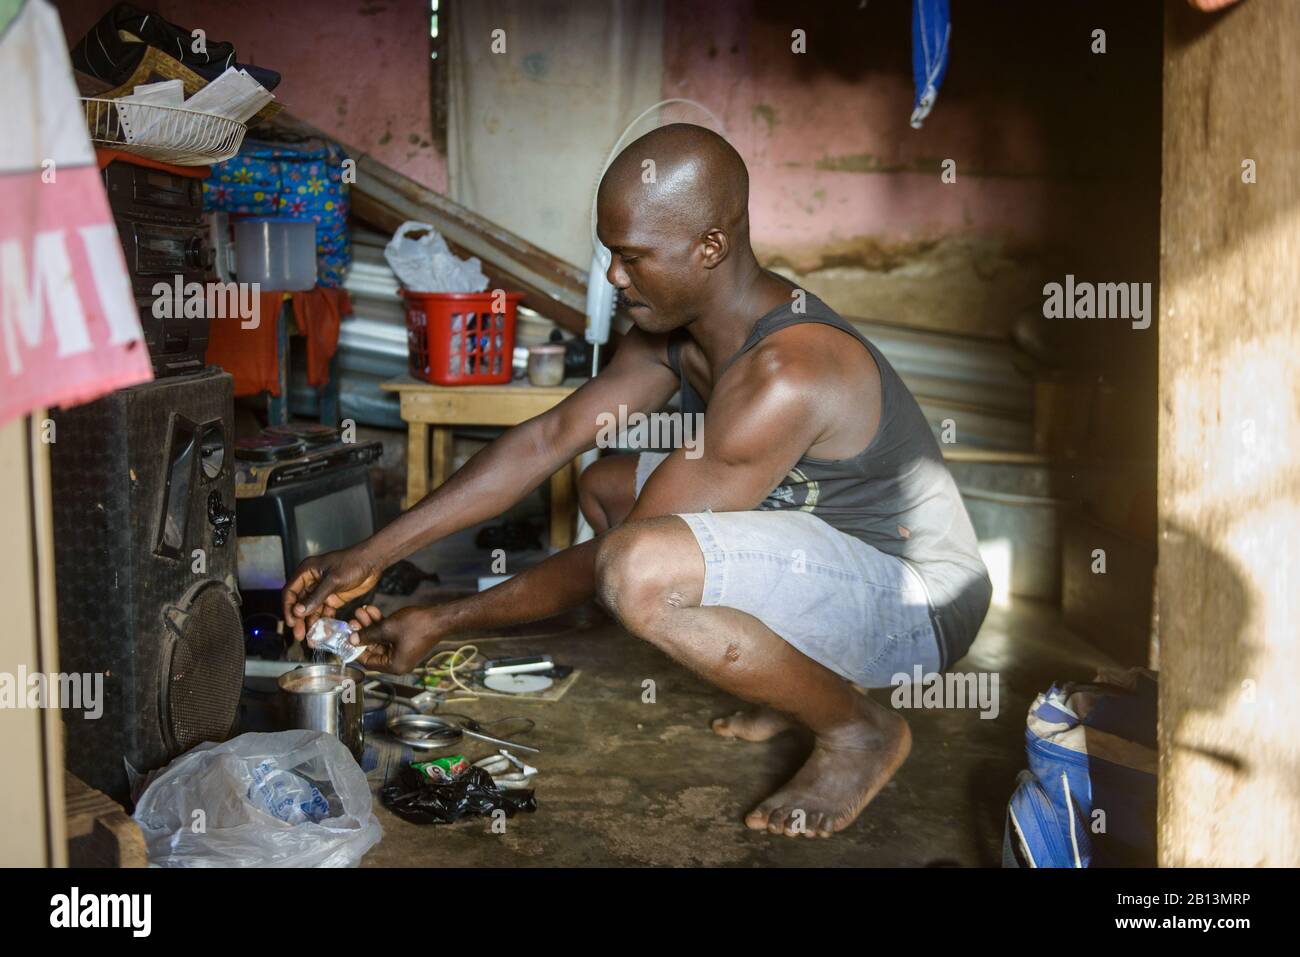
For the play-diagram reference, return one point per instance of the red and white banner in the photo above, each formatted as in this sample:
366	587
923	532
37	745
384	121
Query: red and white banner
69	330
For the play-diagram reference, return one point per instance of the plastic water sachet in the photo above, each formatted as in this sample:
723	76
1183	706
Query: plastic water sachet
285	795
330	634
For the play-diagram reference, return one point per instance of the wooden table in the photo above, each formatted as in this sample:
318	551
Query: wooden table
436	409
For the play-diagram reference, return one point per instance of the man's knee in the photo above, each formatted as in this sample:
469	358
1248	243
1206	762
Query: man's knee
647	569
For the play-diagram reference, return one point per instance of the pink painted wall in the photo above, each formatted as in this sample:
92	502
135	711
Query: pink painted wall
1053	144
356	68
1042	130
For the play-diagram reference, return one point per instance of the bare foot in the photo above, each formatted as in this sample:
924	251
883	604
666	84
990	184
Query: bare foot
847	768
756	725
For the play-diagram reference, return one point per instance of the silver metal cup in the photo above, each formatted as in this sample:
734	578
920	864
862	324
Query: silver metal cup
323	698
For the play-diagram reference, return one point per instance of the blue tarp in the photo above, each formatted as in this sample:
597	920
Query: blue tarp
931	28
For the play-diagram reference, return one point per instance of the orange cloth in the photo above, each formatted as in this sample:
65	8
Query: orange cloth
104	156
251	355
318	315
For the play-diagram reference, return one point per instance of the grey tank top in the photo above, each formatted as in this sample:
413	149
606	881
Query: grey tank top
896	495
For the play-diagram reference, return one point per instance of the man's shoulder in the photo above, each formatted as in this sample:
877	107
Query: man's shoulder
769	376
809	358
811	345
801	306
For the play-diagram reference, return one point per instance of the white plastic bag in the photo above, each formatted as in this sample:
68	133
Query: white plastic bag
427	265
289	799
331	635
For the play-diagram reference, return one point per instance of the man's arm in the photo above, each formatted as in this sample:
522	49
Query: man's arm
758	426
525	456
493	480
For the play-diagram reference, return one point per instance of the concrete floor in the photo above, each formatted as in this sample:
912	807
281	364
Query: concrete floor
628	783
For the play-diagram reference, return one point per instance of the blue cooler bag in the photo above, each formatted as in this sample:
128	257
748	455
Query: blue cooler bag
301	181
1089	796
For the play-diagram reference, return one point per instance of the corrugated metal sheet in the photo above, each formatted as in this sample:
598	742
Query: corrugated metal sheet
970	381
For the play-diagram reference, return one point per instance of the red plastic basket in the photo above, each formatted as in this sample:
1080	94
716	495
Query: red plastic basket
461	338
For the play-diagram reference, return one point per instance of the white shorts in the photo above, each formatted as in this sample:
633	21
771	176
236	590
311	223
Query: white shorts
848	606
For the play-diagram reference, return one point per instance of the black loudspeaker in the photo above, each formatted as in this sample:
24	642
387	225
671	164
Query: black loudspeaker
143	489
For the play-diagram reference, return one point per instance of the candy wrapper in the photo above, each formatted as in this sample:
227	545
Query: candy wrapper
329	634
443	770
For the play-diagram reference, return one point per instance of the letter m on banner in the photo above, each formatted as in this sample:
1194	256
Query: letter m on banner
69	330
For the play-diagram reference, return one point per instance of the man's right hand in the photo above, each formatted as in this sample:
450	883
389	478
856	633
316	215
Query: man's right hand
325	583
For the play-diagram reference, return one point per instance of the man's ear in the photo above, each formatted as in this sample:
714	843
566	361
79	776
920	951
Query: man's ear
715	245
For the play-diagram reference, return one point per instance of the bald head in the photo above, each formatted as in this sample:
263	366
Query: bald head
682	175
673	210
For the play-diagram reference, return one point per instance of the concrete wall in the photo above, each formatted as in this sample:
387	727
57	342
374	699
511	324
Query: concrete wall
358	68
1055	147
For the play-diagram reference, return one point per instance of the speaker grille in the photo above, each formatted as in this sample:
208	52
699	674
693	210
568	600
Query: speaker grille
201	689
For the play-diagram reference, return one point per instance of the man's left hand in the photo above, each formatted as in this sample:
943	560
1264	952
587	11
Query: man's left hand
398	643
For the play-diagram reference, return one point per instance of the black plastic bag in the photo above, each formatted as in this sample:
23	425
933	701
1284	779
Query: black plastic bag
421	800
404	577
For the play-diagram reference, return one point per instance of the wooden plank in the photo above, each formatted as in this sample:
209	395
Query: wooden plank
503	405
407	383
100	833
443	449
490	409
417	463
564	505
551	288
31	739
1229	446
1112	609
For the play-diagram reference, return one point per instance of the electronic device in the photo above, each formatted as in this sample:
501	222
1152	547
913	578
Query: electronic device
159	217
144	546
300	490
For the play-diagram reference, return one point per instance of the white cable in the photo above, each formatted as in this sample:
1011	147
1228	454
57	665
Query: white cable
618	147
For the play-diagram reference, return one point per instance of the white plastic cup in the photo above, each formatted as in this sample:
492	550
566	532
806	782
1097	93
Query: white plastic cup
546	365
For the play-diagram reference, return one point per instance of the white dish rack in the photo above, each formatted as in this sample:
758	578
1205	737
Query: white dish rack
168	134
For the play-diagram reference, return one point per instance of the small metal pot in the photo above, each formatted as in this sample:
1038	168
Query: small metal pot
321	698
